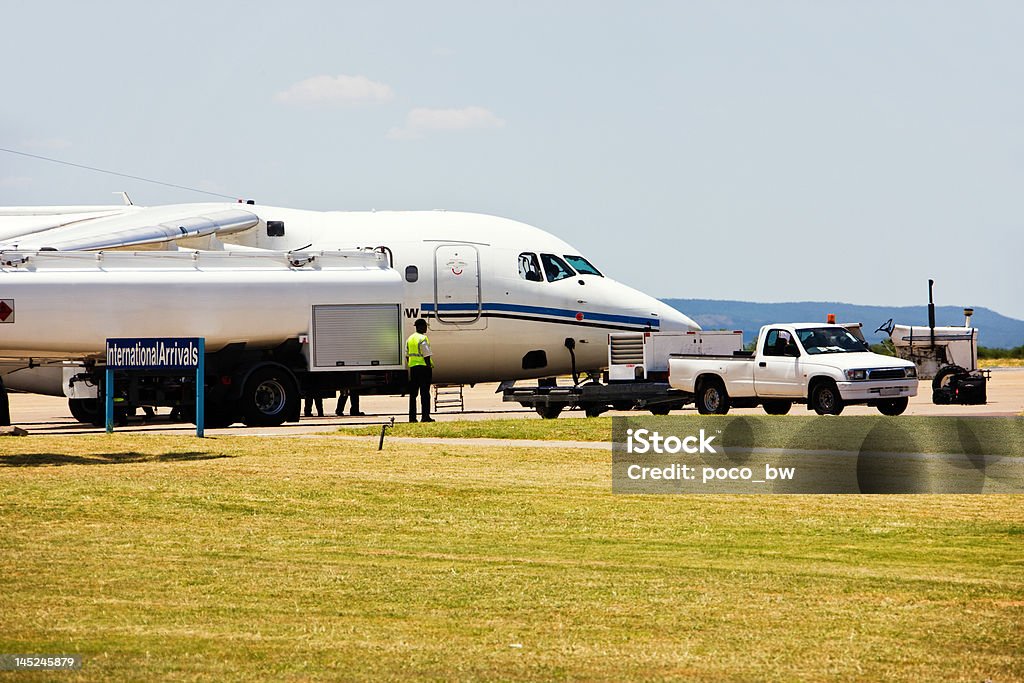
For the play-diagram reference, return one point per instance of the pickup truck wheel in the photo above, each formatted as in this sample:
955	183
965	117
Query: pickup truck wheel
593	410
269	397
825	399
777	407
549	412
893	407
660	410
712	398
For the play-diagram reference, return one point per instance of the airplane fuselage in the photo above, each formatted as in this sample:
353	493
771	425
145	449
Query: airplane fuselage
501	297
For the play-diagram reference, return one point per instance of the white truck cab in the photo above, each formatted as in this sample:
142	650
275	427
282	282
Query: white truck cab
822	365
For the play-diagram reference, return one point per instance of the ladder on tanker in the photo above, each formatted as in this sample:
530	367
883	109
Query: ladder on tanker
448	396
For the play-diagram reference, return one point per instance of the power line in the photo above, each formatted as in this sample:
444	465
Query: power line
122	175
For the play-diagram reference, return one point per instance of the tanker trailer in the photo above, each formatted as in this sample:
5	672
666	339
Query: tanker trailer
277	325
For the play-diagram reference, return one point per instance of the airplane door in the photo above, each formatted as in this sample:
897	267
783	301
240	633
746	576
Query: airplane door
457	292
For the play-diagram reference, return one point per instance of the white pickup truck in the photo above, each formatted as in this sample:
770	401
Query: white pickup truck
824	366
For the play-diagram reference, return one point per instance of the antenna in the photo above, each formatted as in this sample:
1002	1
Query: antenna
121	175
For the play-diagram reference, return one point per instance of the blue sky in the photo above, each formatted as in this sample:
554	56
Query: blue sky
744	150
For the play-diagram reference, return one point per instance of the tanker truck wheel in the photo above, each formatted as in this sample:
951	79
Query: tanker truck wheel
92	411
220	414
217	414
99	418
87	410
269	397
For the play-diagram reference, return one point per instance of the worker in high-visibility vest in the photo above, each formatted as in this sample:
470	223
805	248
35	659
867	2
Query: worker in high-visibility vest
421	365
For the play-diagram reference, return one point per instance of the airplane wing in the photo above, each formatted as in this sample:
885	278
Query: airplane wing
16	221
121	227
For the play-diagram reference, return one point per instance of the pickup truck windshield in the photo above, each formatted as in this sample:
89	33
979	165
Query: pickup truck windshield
829	340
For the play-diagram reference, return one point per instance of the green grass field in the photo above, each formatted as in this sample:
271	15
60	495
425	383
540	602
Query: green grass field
234	558
999	436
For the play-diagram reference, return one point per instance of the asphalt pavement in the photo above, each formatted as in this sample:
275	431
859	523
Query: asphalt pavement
50	415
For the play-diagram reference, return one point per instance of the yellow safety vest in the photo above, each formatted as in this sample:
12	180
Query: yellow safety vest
412	348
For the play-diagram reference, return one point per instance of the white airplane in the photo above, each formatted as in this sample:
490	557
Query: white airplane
501	297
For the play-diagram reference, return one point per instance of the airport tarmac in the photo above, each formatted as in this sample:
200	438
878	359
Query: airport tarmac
50	415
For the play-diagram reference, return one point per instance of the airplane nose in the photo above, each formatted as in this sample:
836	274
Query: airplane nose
648	308
674	321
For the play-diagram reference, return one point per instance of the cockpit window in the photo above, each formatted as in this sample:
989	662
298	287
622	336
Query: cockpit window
582	265
555	268
529	267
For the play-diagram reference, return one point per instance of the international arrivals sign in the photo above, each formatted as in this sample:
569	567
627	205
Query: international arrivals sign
154	353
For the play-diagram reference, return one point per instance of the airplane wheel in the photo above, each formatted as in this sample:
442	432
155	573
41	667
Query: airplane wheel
269	397
660	410
593	411
777	407
825	399
549	412
893	407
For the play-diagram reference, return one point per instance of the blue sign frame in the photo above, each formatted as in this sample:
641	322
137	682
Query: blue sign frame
136	354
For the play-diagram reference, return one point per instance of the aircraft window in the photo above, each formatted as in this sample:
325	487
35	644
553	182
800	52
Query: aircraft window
412	273
582	265
556	268
529	267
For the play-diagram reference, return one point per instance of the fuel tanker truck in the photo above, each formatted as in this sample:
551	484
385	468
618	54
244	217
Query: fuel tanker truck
277	326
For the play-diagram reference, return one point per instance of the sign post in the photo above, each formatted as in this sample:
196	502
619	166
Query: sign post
147	354
201	389
108	398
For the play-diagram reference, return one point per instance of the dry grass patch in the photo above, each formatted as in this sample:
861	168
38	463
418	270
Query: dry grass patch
234	558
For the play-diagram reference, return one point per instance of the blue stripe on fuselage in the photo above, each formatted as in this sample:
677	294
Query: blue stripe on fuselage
544	310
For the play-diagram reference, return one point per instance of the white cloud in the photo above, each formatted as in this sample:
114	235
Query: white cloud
422	120
335	90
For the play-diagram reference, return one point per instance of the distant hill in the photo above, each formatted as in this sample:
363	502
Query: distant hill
994	330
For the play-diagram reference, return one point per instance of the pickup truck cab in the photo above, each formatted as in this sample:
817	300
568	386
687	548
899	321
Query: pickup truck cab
824	366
